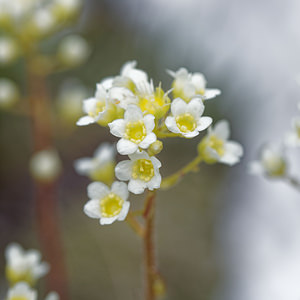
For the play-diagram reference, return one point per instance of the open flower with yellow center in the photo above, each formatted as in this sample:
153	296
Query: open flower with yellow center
21	291
186	118
101	167
106	204
99	109
24	265
216	147
272	162
189	85
152	101
293	138
135	130
141	170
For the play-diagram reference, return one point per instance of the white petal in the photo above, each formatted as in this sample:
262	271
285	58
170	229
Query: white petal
33	256
13	250
195	107
191	134
52	296
123	213
97	190
149	122
105	152
211	93
117	127
126	147
123	170
92	209
83	165
86	120
136	186
89	105
198	81
121	189
255	168
139	155
178	107
107	221
156	163
40	270
229	159
203	123
133	113
148	140
155	182
222	130
171	124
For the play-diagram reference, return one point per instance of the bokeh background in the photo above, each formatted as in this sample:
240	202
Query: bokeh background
221	233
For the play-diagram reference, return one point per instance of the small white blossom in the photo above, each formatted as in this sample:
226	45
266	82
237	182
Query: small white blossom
135	130
52	296
21	291
106	204
8	50
9	93
293	138
24	265
216	147
141	170
101	166
122	96
189	85
186	118
272	162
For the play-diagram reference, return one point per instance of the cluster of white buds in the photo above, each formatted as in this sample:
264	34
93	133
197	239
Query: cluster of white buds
140	114
23	269
273	161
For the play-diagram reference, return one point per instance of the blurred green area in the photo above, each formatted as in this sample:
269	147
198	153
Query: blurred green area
106	262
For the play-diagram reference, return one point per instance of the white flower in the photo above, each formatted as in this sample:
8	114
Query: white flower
186	118
106	204
101	166
45	165
293	138
141	170
216	147
272	162
21	291
135	130
9	93
122	96
52	296
24	265
8	50
189	85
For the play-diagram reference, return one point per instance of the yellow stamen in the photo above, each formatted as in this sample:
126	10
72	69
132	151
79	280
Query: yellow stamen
143	169
100	106
135	131
111	205
186	122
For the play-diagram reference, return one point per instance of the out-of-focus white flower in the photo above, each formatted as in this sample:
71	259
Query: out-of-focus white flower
135	130
101	167
42	22
69	100
21	291
45	165
293	138
189	85
141	170
122	96
9	93
272	162
100	109
186	118
8	50
73	50
106	204
64	9
24	265
52	296
216	147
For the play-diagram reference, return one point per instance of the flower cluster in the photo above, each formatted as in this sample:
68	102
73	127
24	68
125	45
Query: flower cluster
140	114
273	162
23	269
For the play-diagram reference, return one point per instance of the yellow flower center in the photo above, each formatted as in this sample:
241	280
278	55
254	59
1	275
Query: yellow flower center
274	166
18	298
186	122
135	131
143	169
111	205
100	106
216	144
15	277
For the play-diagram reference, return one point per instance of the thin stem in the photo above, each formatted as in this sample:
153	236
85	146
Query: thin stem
150	267
294	182
135	225
176	177
45	194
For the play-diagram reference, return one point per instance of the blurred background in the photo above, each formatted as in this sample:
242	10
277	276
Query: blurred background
221	233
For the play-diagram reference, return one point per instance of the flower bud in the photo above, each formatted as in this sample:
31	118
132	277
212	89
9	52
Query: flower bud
155	148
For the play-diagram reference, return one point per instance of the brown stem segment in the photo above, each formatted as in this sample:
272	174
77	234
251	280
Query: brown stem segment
45	193
149	246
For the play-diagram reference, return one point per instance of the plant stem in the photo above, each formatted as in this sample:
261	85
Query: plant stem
294	182
149	253
175	178
45	194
